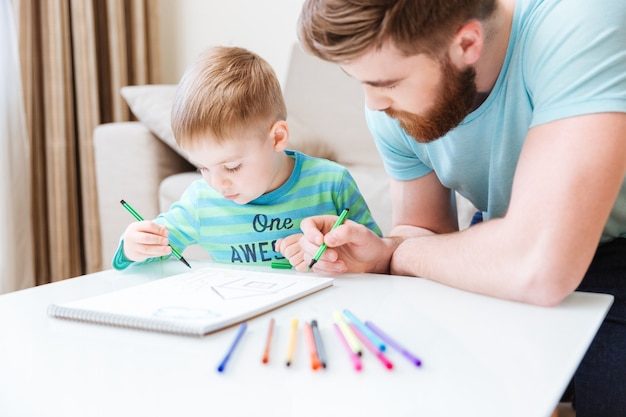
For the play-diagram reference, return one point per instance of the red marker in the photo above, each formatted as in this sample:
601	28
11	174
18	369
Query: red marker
266	353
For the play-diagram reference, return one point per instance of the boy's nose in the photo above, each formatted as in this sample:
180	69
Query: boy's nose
219	182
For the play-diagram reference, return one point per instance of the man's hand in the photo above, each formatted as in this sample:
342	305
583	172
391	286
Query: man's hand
352	247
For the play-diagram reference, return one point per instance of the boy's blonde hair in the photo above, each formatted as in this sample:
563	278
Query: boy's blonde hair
225	92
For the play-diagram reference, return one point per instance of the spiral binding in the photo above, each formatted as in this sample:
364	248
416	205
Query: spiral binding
121	320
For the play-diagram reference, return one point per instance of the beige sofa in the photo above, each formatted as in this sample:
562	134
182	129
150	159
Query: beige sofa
140	162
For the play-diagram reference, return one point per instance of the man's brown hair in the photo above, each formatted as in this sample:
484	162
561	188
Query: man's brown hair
342	30
225	92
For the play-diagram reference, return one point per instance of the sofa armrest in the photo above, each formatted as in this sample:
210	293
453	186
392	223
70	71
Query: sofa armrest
130	164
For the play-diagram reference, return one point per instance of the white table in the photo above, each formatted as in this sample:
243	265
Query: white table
481	356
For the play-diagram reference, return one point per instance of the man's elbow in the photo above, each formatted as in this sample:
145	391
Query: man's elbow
550	284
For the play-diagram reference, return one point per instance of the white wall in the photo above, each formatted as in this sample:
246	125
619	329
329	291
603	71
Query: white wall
267	27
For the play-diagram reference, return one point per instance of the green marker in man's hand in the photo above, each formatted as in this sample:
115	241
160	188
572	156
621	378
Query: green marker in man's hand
320	251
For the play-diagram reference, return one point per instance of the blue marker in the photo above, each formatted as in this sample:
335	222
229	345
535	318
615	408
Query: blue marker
376	341
242	329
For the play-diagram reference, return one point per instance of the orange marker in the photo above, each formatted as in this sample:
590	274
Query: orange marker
266	353
308	333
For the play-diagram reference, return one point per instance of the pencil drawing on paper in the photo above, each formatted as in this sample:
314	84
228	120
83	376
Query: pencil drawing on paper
251	287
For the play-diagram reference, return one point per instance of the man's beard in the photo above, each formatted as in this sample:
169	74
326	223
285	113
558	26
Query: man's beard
454	101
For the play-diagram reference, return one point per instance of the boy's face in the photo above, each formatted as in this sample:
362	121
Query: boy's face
242	168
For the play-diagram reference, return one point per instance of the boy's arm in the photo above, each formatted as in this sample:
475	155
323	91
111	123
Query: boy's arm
349	196
567	179
183	217
149	240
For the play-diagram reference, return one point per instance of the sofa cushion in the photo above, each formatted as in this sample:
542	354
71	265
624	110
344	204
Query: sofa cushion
332	105
152	105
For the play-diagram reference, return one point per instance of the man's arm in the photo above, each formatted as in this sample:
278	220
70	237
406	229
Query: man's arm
422	206
566	182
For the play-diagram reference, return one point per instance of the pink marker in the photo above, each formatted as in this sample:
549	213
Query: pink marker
369	345
356	359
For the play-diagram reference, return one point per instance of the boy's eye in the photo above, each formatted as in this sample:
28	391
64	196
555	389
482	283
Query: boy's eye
202	170
232	169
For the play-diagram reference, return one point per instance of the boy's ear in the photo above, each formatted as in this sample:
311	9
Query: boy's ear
467	44
279	133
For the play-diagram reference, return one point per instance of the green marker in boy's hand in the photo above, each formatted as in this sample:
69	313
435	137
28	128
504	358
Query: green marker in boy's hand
140	218
320	251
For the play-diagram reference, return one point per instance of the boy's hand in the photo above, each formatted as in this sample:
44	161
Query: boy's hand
290	248
145	239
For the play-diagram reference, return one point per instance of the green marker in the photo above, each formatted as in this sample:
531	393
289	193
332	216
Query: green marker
139	218
320	251
281	264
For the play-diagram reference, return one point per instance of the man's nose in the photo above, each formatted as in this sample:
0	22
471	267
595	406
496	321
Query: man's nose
375	100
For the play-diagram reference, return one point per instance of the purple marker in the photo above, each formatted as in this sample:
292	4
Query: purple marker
393	344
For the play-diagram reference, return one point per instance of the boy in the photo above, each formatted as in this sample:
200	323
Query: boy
229	116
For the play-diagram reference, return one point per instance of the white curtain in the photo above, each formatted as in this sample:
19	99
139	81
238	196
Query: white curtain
16	242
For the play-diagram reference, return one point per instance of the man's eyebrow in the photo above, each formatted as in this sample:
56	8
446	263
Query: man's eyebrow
381	83
376	83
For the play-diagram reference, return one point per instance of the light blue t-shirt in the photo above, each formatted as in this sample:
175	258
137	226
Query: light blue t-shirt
564	58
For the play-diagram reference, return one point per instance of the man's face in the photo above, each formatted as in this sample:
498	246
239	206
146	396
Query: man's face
428	98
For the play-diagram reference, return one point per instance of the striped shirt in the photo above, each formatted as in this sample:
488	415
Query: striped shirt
247	233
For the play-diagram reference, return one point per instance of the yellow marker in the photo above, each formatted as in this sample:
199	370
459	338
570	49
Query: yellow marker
349	335
292	341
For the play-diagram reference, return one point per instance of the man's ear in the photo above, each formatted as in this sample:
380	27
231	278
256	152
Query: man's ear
279	133
467	44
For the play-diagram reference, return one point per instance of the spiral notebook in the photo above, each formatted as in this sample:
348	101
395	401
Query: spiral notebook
193	303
